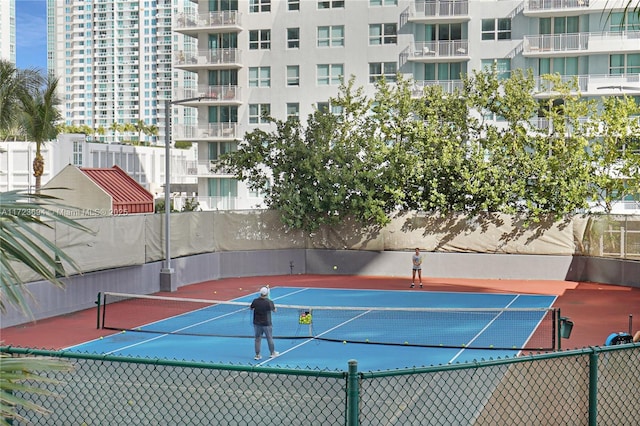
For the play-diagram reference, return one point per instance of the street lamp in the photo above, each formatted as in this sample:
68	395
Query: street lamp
167	282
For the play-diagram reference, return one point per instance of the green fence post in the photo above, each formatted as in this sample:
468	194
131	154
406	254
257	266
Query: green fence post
593	388
353	394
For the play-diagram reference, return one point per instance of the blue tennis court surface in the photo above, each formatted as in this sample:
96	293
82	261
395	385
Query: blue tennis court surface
456	333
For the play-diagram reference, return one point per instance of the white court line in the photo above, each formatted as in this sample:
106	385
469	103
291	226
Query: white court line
319	335
482	331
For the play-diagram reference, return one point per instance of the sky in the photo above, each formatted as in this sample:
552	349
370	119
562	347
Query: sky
31	34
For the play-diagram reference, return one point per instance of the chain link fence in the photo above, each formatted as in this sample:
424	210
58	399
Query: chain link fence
591	386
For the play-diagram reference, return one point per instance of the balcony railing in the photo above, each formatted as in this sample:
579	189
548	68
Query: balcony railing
225	131
440	8
550	5
448	86
430	50
207	20
603	42
208	57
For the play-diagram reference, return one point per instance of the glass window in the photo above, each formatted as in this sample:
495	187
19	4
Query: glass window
377	70
258	113
260	77
329	74
293	5
293	110
256	6
293	75
330	4
503	66
293	38
260	39
383	34
331	36
496	29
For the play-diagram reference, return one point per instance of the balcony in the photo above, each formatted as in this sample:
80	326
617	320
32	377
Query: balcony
208	59
438	51
212	94
594	85
192	24
550	8
439	11
448	86
209	131
574	44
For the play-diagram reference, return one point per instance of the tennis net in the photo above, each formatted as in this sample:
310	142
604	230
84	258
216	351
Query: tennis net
469	328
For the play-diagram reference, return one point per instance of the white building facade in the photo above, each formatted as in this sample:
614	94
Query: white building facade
145	164
8	30
114	62
286	57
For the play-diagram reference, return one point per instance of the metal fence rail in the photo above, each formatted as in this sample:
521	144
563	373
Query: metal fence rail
590	386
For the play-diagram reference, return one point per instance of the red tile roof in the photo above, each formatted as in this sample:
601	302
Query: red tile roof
128	195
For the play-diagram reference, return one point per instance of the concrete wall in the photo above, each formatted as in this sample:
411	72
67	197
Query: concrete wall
81	290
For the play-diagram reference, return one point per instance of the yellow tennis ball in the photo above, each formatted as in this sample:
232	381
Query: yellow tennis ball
367	340
406	343
124	331
491	346
335	267
344	342
101	337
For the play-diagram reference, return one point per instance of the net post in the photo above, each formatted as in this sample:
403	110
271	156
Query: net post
98	313
558	326
353	394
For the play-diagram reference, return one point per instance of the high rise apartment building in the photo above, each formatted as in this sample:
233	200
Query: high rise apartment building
114	62
8	30
286	57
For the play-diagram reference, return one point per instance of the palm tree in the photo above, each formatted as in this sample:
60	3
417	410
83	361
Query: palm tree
39	117
13	84
141	127
116	128
22	242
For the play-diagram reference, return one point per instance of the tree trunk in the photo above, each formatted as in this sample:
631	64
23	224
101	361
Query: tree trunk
38	170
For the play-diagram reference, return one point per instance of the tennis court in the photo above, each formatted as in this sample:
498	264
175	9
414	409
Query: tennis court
381	329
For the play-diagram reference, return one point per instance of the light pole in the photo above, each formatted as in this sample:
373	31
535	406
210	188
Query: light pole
167	278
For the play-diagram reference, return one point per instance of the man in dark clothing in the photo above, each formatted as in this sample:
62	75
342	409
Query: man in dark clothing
262	308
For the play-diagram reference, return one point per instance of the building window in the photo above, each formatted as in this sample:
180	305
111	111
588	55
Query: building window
293	5
260	39
260	77
293	38
624	64
377	70
293	75
216	149
293	110
258	113
327	107
329	74
503	67
260	193
562	66
330	4
624	22
375	3
383	34
222	187
496	29
256	6
332	36
77	153
443	71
